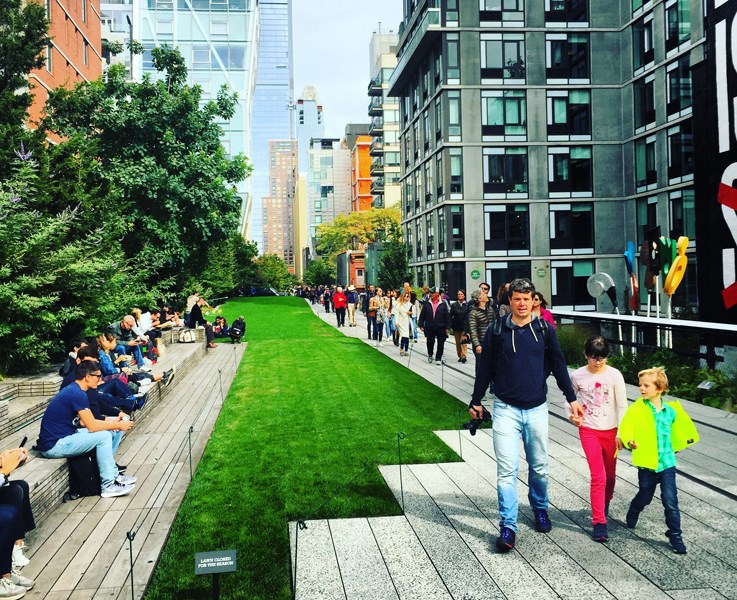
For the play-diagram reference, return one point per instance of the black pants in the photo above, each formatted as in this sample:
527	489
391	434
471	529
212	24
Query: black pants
431	335
17	494
10	530
340	314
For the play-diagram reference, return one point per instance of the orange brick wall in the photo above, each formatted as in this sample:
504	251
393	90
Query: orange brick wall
361	174
69	30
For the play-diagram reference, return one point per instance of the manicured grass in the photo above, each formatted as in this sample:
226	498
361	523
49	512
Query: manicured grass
308	411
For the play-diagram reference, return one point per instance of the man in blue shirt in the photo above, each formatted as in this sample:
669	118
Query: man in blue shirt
68	428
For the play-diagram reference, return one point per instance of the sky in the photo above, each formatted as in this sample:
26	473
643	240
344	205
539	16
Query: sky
331	52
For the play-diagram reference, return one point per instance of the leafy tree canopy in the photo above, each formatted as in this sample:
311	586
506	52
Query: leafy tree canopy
318	272
351	231
393	265
274	272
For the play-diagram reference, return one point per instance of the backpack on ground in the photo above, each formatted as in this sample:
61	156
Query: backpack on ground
187	336
84	476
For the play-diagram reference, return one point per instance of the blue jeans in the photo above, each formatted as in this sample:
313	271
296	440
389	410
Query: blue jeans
84	441
531	425
648	481
414	328
134	350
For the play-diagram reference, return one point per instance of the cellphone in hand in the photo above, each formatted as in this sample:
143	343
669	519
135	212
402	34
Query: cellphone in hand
23	443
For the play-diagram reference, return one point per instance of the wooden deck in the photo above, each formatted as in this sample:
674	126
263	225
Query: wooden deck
81	549
443	545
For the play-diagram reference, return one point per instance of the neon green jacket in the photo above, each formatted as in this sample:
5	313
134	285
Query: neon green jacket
638	424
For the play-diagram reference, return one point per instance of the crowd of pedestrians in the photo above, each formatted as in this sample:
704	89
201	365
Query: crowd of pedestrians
513	336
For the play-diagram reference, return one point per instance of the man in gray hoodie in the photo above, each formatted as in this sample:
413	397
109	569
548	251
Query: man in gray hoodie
518	355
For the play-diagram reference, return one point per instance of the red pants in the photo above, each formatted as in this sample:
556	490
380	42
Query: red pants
599	447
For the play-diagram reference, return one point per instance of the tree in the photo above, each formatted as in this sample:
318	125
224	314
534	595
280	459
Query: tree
319	273
351	231
393	265
161	162
273	272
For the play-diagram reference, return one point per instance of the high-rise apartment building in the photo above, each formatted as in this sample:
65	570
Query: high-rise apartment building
328	182
300	226
273	98
278	206
361	176
74	53
537	138
310	124
117	23
384	113
217	40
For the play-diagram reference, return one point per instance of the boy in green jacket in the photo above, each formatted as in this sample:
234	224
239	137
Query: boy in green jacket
655	431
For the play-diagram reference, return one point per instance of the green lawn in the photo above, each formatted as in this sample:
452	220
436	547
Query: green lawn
308	411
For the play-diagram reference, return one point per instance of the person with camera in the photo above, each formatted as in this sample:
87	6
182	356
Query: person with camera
128	341
518	355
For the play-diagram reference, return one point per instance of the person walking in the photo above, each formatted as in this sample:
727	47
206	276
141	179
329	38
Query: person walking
370	324
340	302
480	316
434	321
540	308
376	316
352	305
516	355
416	307
458	315
402	315
326	299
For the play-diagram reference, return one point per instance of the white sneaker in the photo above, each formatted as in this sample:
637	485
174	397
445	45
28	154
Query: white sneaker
10	591
18	579
147	361
20	560
115	489
125	479
145	368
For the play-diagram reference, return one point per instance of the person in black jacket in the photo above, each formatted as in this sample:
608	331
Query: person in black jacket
434	321
458	321
196	319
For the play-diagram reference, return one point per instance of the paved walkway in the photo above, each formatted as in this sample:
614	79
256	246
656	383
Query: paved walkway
442	547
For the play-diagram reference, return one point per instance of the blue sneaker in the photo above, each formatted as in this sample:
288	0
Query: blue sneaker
505	541
542	521
600	532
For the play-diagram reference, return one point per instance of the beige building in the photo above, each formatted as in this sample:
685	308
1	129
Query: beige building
301	227
277	208
329	182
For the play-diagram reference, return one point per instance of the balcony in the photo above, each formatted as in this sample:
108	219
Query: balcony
378	201
377	185
377	147
374	86
377	166
413	48
377	126
376	106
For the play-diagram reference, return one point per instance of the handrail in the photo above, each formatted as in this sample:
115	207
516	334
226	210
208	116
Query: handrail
652	321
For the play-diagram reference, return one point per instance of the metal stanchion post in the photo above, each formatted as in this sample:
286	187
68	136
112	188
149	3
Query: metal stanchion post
189	442
400	437
131	535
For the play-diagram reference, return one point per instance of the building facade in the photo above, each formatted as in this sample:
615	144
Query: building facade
273	99
384	113
300	227
328	183
537	138
74	54
278	207
310	124
359	142
217	39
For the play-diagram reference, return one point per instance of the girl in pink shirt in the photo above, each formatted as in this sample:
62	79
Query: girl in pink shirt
601	391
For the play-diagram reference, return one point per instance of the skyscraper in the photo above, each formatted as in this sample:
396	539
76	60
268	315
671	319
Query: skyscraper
217	40
310	124
328	183
273	98
278	207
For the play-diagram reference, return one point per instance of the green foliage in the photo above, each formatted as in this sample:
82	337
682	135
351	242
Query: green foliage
273	272
351	231
113	47
393	265
229	266
318	272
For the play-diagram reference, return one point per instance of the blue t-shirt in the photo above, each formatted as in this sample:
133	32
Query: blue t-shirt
58	420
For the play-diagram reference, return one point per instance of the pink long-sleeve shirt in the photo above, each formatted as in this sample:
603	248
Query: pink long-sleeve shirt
603	397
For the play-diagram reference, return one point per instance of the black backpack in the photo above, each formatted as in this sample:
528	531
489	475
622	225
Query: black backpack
84	476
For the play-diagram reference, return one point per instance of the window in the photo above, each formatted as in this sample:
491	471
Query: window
416	140
569	115
499	273
573	13
682	214
438	119
410	245
418	239
429	185
568	279
426	130
503	115
408	200
504	13
505	172
506	230
454	116
451	13
570	172
86	52
456	230
49	58
644	102
647	216
572	228
201	57
453	66
429	236
219	27
439	174
442	233
680	153
677	24
567	58
646	174
642	44
502	58
416	184
456	172
678	88
232	56
84	11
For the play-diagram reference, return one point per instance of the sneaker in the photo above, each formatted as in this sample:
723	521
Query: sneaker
113	490
144	368
381	345
631	519
20	560
464	360
600	532
140	401
505	541
9	590
211	345
125	479
542	521
18	579
147	361
121	468
676	542
168	377
430	359
438	362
